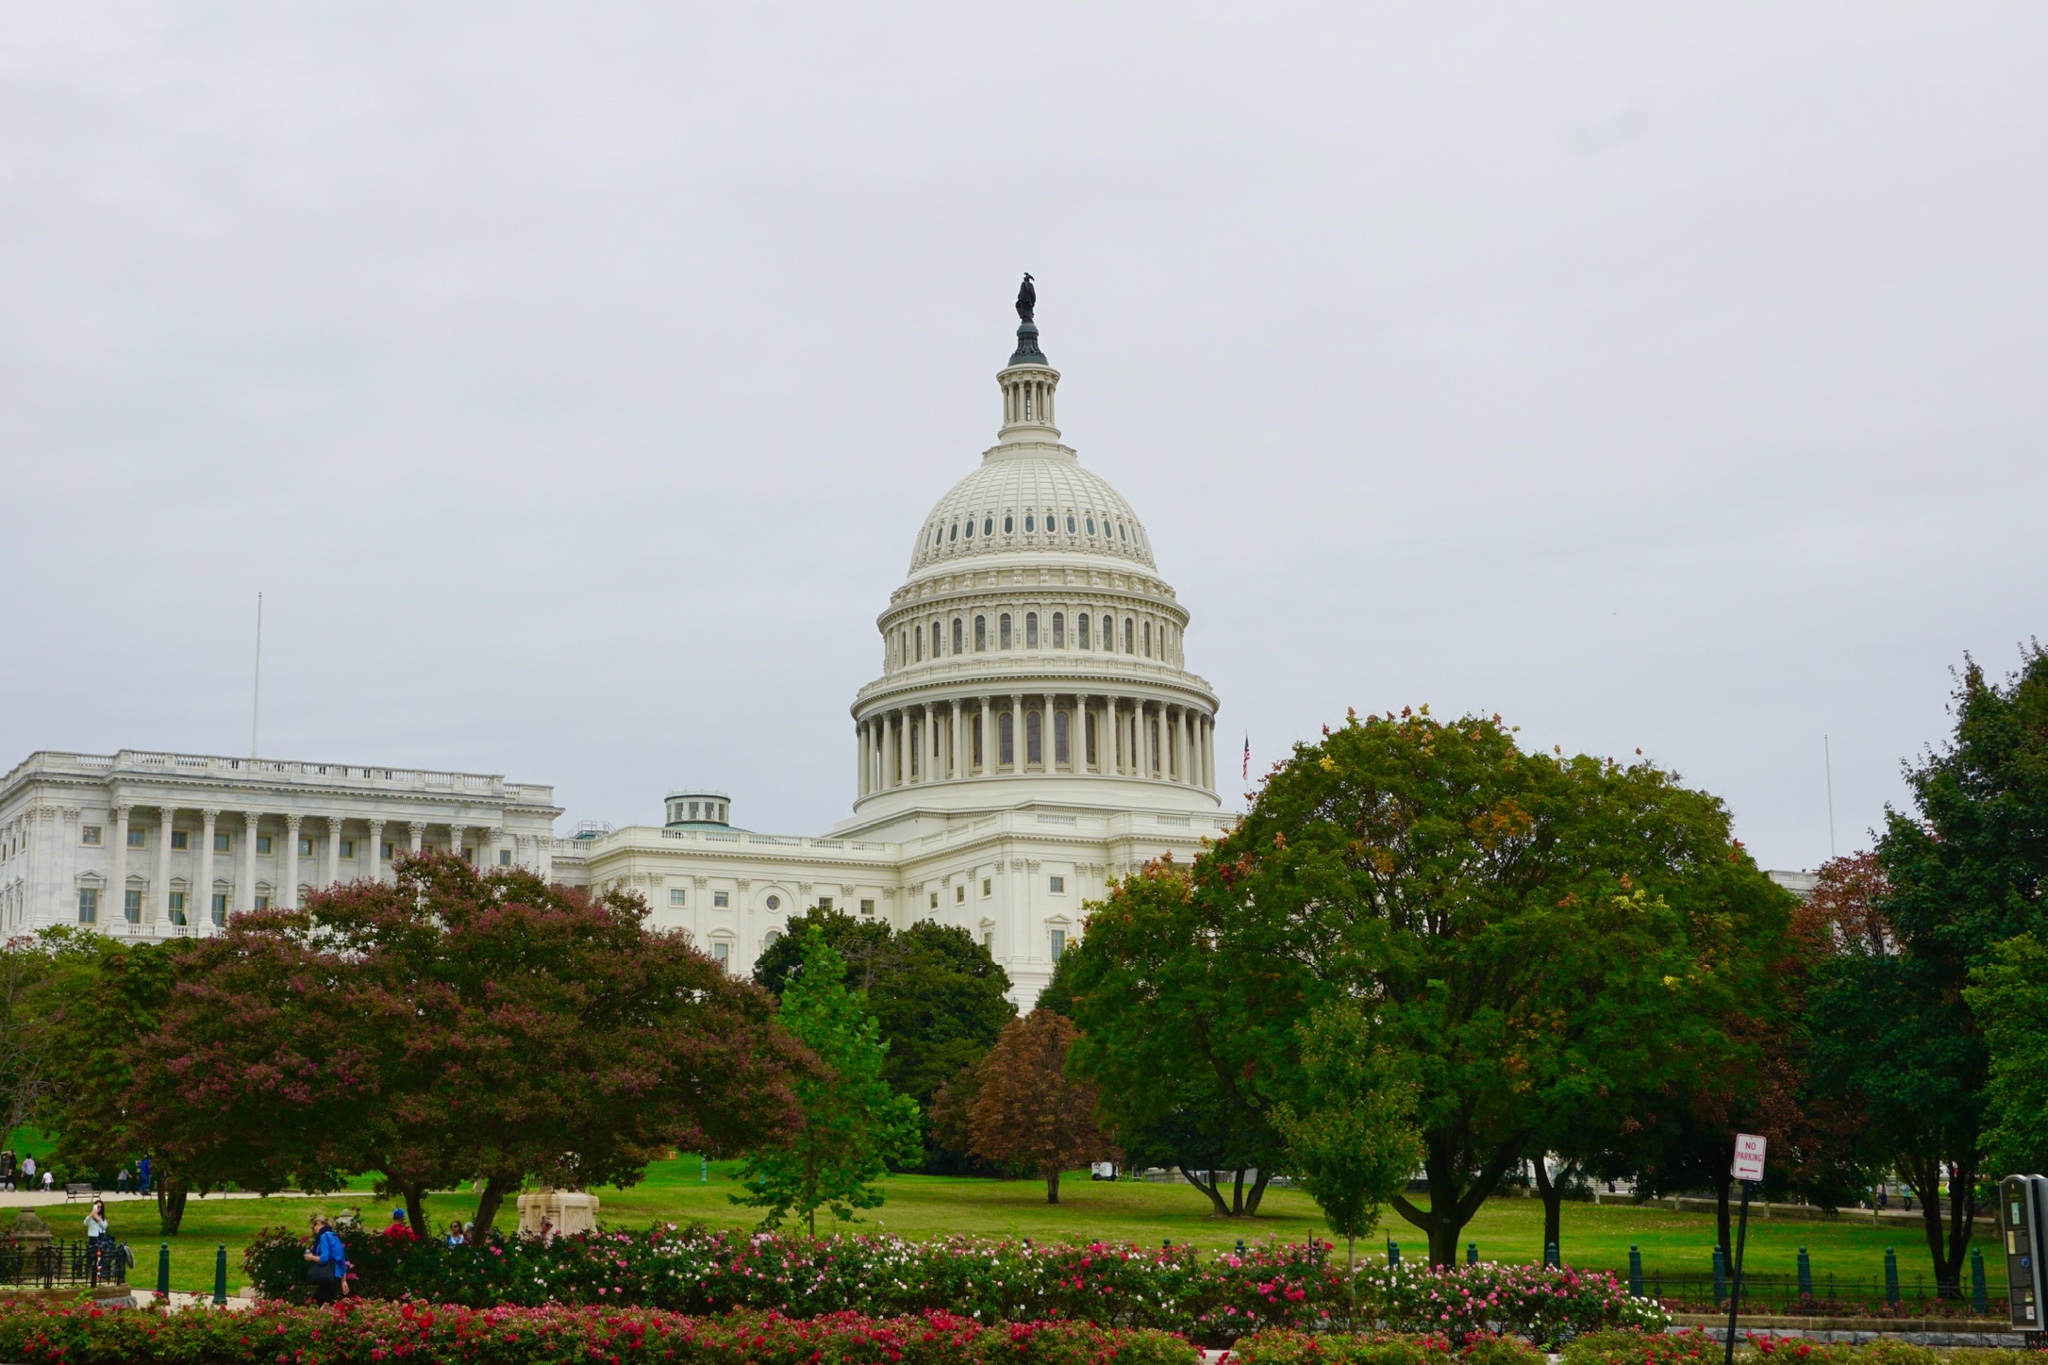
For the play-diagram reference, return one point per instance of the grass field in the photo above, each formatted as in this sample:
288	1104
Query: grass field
1508	1229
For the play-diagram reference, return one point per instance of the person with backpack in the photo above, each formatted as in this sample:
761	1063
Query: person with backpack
327	1270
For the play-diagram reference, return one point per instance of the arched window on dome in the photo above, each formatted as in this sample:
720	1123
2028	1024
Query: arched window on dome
1121	533
1033	750
1028	522
959	628
1070	523
1009	523
1051	522
1059	630
919	634
1030	630
988	526
1108	633
970	528
1148	639
1003	630
938	638
1081	630
1130	636
1091	525
980	634
1088	738
954	534
1008	740
1059	737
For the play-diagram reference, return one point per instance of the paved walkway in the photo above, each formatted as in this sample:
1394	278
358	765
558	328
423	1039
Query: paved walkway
36	1199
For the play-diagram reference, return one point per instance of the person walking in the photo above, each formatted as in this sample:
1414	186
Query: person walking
49	1181
327	1270
142	1175
456	1236
9	1164
398	1230
28	1171
121	1181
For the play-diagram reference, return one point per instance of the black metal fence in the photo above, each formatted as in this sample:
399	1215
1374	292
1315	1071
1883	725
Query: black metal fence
50	1264
1820	1295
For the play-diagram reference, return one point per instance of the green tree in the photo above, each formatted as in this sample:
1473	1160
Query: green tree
852	1124
941	1001
1961	874
2009	999
1350	1137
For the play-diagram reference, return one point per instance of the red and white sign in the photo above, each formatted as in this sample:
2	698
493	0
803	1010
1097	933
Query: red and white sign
1749	1157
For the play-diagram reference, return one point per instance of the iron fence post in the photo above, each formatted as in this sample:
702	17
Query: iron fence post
1471	1253
1891	1277
163	1270
1980	1294
1635	1271
220	1276
1720	1276
1805	1277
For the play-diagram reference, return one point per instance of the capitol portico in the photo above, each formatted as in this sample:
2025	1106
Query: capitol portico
1035	732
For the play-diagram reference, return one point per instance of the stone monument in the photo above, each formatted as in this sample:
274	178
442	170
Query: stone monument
564	1212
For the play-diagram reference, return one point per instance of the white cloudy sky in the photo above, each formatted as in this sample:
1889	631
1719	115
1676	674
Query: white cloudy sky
572	378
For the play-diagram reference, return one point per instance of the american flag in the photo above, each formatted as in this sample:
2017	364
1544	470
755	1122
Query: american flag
1247	758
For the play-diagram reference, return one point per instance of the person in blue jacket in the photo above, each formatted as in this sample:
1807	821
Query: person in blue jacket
328	1262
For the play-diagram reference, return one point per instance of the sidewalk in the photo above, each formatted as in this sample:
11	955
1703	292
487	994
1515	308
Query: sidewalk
36	1199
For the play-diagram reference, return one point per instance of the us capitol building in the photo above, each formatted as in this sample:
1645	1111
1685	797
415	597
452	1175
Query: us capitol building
1035	733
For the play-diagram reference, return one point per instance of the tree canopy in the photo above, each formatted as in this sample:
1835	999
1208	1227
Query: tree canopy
1027	1111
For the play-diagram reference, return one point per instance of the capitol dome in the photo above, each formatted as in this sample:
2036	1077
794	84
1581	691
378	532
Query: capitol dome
1033	655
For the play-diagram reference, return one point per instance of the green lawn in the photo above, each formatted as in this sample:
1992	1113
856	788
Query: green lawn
923	1206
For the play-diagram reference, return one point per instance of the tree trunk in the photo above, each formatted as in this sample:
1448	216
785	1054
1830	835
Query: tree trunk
170	1205
1452	1202
415	1208
1251	1203
1052	1183
1924	1176
1237	1195
1724	1182
1221	1209
493	1198
1553	1206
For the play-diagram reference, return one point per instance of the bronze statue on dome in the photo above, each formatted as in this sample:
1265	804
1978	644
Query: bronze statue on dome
1027	299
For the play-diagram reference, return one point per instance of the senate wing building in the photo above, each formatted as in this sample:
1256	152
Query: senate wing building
1035	733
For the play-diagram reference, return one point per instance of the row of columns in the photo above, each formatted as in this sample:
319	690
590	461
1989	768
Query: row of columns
1133	737
157	903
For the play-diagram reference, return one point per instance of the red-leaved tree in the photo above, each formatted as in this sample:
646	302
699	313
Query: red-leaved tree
1027	1109
453	1026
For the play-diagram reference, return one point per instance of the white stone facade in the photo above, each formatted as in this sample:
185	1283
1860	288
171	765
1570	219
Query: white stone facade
157	845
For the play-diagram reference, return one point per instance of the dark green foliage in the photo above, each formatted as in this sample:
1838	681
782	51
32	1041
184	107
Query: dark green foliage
939	997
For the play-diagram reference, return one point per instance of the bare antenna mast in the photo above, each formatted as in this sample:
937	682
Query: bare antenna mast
256	701
1827	757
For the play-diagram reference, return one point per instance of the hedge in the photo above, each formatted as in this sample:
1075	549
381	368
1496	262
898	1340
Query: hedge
1702	1348
363	1332
1212	1299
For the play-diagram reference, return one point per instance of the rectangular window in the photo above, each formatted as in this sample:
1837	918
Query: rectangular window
675	895
263	843
1059	736
90	835
468	854
960	894
138	838
348	848
1009	739
181	838
1059	942
88	905
720	900
131	906
867	907
824	902
1034	748
987	888
177	907
504	857
988	941
223	842
263	902
305	845
387	850
935	900
1059	886
220	907
721	953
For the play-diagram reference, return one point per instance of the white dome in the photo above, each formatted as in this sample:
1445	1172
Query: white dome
989	511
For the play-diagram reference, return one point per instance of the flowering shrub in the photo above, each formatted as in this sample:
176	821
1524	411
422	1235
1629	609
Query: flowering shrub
368	1332
1285	1346
1214	1299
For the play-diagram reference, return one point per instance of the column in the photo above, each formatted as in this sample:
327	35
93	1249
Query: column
900	720
1016	732
159	901
418	829
200	911
290	896
497	839
376	853
245	885
985	715
117	889
860	749
333	851
455	836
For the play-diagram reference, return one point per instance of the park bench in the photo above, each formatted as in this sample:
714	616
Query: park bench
79	1189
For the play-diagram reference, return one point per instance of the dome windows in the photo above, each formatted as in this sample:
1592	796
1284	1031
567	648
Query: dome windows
1028	523
1081	630
1059	630
1121	534
1003	630
1091	526
774	903
955	533
1009	523
988	526
1070	523
958	629
970	528
980	634
1030	630
1108	633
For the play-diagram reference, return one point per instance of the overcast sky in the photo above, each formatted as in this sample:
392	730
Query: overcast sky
573	379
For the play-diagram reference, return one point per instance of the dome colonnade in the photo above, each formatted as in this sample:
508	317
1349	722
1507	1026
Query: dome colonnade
1033	638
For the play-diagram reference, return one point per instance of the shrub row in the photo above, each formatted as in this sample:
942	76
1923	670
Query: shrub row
367	1332
1625	1347
1213	1299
